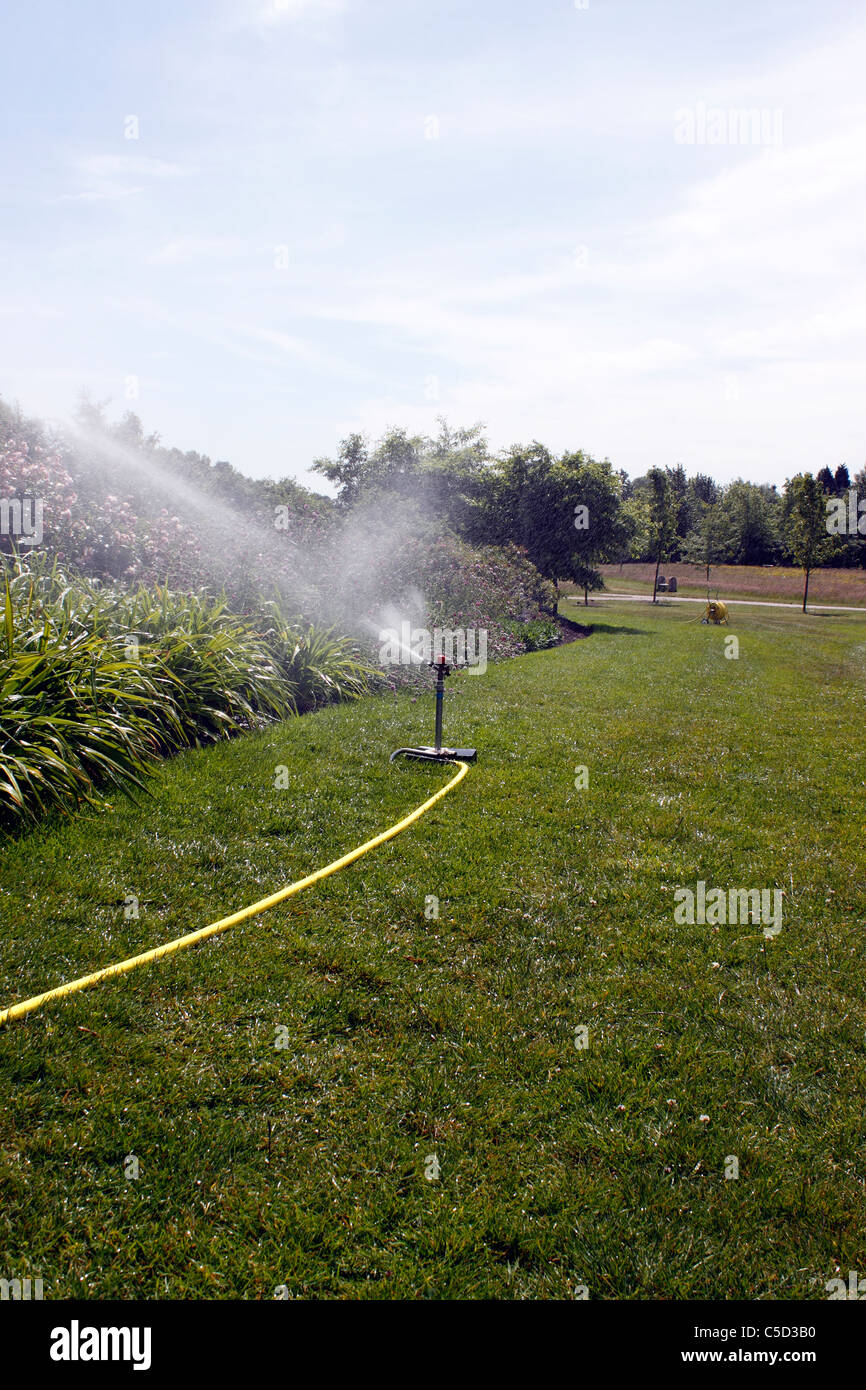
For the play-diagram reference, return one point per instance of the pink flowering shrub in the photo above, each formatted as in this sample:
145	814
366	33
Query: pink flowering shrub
39	474
321	564
99	533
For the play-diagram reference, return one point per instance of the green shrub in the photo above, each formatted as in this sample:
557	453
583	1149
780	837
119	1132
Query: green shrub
537	634
96	683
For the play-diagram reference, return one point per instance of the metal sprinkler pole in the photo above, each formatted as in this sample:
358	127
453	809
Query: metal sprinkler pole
441	673
437	753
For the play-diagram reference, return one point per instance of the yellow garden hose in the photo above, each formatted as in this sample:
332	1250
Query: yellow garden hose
192	938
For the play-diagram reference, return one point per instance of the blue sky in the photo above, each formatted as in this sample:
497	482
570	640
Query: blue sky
350	214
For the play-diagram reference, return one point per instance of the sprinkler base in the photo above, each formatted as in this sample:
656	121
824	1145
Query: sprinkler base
437	755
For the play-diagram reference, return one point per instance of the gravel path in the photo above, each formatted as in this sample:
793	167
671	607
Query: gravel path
677	598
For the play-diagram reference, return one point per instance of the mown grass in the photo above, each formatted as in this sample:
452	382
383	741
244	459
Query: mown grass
773	583
408	1036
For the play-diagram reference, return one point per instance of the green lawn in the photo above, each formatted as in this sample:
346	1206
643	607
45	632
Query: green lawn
407	1037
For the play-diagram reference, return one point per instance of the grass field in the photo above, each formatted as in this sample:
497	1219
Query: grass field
310	1165
776	583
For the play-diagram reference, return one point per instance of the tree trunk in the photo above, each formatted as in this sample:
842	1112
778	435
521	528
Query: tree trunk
586	595
656	578
708	574
806	591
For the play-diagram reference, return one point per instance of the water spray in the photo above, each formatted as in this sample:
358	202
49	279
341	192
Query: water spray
438	754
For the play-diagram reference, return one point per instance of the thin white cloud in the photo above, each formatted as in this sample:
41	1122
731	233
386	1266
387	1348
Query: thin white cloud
257	15
191	249
304	351
107	176
110	165
98	195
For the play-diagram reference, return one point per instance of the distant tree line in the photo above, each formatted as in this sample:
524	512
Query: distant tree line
570	513
573	513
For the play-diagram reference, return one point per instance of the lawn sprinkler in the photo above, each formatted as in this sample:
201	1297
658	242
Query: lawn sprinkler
438	754
716	611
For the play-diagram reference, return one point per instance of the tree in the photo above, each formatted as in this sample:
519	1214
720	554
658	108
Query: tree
808	539
588	579
512	498
395	462
680	495
566	513
825	479
444	474
701	494
450	474
349	471
595	529
703	489
130	432
662	518
634	528
748	524
705	543
90	414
